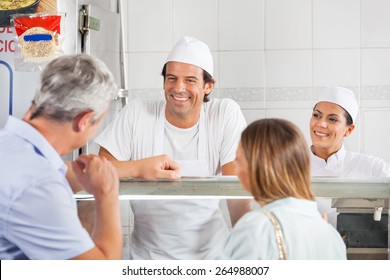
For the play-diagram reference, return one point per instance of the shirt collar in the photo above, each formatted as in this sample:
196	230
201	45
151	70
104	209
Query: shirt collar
333	162
292	204
41	145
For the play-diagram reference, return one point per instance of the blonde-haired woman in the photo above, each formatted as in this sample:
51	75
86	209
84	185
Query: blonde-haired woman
273	163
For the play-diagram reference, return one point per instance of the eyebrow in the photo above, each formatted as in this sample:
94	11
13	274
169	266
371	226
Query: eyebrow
332	115
187	77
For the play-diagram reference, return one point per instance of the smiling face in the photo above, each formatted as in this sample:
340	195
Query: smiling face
328	127
184	92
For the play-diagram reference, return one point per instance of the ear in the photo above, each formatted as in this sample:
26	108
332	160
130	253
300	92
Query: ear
82	120
349	130
208	88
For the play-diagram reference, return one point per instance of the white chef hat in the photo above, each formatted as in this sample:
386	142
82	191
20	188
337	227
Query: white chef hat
192	51
342	97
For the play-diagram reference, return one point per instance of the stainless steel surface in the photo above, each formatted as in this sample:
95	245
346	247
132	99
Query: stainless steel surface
123	45
366	188
86	22
368	253
123	95
72	42
229	186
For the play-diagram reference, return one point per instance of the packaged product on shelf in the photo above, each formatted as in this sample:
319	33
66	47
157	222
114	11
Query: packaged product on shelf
39	39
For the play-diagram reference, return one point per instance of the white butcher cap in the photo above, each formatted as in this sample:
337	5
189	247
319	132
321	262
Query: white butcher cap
192	51
343	97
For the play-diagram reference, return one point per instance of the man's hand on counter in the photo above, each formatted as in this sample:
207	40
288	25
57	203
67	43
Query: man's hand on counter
152	168
158	167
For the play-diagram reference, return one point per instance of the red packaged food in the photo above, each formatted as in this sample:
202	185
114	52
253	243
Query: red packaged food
39	40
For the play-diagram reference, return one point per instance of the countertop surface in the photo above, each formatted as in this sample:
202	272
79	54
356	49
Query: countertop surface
230	187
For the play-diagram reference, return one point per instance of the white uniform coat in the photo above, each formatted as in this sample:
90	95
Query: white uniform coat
349	165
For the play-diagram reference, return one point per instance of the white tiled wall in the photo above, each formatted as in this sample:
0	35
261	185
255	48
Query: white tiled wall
198	18
336	24
380	118
235	32
288	24
275	56
336	66
375	22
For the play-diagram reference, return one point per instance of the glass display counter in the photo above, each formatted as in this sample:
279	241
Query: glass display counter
363	204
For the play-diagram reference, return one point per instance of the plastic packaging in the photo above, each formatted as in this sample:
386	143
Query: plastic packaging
39	40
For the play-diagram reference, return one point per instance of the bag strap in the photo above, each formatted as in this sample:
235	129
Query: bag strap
279	236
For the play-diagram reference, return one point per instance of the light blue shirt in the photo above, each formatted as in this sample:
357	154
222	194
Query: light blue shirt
307	235
38	214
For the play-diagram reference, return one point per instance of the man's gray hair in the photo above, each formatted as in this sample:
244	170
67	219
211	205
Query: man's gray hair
73	84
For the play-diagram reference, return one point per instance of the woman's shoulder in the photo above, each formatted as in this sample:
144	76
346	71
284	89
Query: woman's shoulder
255	220
377	164
251	238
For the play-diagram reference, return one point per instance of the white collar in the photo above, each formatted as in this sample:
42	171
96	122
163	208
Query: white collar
334	162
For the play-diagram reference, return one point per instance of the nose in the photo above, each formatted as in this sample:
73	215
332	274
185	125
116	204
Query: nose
322	123
179	86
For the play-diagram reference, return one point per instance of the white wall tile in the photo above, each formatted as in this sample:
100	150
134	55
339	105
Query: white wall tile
288	97
375	67
299	117
375	96
241	25
145	70
241	69
216	70
288	24
353	141
112	60
197	19
290	68
376	133
375	23
246	97
147	94
252	115
150	25
336	24
336	67
125	70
